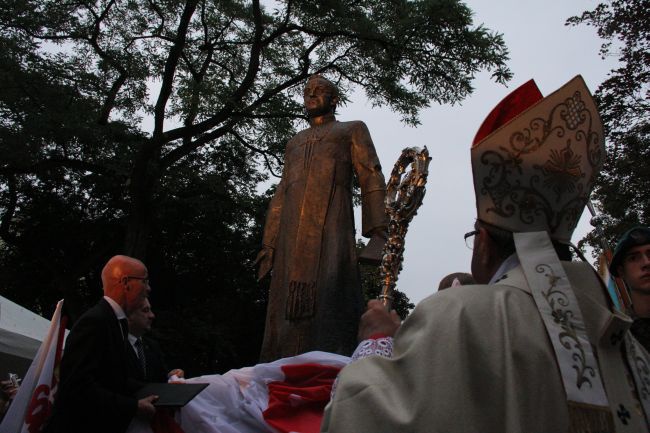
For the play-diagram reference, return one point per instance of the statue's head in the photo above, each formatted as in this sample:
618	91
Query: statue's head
320	96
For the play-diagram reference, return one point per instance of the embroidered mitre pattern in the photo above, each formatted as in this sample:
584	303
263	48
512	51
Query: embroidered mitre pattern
536	172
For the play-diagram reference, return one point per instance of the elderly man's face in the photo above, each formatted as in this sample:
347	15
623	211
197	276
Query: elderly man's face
318	98
481	270
635	268
141	319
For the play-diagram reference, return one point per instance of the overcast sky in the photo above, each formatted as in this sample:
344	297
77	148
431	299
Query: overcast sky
541	47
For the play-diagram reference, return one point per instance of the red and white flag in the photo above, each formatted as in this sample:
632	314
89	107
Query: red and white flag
33	403
287	395
296	403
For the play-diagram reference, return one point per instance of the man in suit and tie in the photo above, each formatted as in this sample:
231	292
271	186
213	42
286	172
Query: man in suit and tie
147	362
95	391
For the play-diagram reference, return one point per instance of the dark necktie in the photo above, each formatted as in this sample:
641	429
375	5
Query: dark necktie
140	349
124	325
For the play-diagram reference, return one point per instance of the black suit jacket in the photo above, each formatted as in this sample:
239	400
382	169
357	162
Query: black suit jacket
156	367
95	392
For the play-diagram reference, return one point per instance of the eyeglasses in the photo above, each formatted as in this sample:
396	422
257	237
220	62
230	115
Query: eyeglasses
145	280
469	239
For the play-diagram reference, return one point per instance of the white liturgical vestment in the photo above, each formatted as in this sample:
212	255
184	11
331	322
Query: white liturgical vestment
478	359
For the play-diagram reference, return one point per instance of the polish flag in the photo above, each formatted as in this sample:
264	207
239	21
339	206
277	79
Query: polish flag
284	396
33	402
296	403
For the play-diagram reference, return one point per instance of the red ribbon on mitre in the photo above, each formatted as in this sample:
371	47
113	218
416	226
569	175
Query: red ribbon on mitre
520	99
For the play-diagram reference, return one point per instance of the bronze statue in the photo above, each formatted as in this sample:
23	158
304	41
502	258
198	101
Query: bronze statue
315	298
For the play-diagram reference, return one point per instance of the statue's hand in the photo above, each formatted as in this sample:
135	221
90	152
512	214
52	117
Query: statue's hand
265	262
380	232
372	252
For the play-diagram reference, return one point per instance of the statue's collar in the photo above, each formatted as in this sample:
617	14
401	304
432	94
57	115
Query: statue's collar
321	120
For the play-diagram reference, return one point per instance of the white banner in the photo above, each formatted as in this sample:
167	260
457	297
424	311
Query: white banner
33	403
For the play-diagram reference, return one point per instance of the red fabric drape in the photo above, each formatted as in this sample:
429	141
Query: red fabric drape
296	404
164	422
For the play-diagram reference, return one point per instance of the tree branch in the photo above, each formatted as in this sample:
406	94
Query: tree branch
170	69
109	103
10	209
187	147
111	97
160	14
182	151
151	36
58	163
238	94
347	34
198	78
265	154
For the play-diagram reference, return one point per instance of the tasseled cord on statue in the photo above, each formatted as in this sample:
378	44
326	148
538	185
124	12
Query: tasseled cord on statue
403	198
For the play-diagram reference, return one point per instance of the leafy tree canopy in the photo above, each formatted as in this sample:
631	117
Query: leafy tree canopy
144	127
623	190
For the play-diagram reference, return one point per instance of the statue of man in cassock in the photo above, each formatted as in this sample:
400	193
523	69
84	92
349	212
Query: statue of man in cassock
315	298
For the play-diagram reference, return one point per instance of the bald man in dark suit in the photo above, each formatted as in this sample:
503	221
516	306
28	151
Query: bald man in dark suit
95	392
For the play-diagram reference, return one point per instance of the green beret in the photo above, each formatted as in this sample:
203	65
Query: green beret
632	238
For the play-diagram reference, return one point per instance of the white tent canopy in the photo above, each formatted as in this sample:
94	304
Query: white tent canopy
21	334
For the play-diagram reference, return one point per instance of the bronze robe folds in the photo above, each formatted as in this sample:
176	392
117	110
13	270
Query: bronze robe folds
315	298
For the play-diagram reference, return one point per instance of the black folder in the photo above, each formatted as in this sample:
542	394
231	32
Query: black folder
171	394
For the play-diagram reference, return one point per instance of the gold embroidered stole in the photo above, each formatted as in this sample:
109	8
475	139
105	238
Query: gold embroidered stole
639	361
588	405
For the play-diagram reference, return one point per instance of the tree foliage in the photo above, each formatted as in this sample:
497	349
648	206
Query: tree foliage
623	190
144	127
